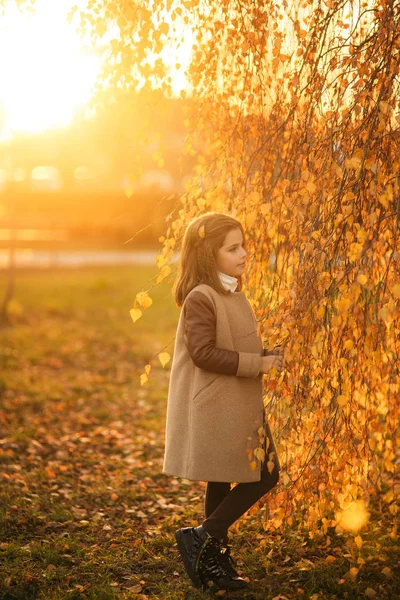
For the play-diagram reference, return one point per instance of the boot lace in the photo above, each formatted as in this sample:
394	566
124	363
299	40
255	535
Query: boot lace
208	564
228	562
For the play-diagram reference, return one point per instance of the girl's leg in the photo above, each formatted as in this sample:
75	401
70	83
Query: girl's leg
235	502
215	493
238	501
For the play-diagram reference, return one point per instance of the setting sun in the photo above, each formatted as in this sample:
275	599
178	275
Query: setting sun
50	71
48	75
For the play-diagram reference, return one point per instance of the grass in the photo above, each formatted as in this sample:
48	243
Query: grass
85	511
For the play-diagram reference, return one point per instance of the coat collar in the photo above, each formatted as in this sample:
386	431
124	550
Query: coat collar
230	283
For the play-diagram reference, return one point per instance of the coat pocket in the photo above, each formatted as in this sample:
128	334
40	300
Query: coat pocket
209	389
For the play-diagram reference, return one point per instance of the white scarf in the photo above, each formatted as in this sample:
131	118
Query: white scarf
229	282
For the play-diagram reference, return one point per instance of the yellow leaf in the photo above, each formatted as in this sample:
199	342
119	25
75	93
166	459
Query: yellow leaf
253	465
358	541
387	571
330	559
135	314
143	378
338	170
250	218
311	187
344	304
342	400
164	358
285	479
144	299
353	163
362	279
161	260
271	232
385	107
352	573
383	313
147	369
371	165
354	251
164	28
260	454
362	235
383	199
164	272
270	466
349	344
396	290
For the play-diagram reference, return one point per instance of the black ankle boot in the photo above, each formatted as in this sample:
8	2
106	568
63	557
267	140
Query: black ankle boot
216	567
229	565
204	562
190	540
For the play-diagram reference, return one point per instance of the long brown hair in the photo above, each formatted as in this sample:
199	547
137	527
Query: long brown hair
203	236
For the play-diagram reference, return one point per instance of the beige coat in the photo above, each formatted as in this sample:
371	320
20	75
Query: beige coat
213	419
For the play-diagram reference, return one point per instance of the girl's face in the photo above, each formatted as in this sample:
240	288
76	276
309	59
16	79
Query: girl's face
231	257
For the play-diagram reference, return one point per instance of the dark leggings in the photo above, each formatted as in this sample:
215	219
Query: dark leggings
223	505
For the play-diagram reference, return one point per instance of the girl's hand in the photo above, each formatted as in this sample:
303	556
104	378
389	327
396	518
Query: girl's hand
274	352
277	350
276	361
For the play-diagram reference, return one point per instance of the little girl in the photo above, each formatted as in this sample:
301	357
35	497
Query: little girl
215	398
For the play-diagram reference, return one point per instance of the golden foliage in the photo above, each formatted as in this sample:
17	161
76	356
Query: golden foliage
144	299
135	313
164	358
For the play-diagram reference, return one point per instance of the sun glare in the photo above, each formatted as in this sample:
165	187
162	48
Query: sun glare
48	74
353	517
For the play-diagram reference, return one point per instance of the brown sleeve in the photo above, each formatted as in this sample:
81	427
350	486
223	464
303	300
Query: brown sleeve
200	337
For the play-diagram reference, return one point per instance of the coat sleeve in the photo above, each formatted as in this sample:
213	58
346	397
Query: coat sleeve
200	337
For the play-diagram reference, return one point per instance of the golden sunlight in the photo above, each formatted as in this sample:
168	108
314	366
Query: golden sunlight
50	71
48	74
353	517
